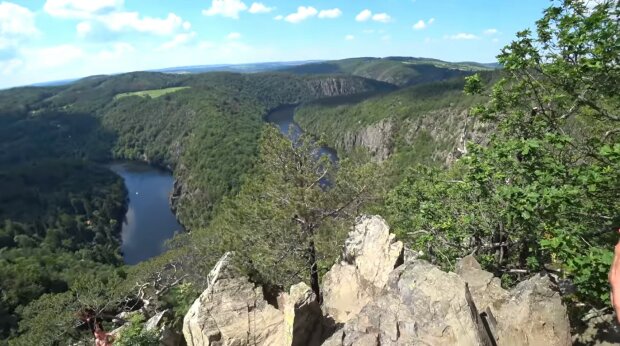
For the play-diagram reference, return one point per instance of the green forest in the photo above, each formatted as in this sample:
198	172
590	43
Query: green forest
519	166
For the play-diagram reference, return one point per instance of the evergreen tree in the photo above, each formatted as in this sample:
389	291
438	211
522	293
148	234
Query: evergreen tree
292	216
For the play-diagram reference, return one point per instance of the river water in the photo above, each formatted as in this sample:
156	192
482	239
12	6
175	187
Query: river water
149	221
283	117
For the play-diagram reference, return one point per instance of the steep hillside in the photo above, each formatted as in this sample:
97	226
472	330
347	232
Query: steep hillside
420	124
400	71
60	211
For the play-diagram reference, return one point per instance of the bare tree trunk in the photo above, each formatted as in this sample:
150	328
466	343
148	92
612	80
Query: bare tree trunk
314	272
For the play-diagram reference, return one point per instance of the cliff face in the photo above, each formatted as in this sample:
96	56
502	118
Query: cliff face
438	136
380	294
377	138
194	197
330	86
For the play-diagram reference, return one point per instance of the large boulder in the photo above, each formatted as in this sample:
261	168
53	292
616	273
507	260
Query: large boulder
532	313
232	311
485	288
421	305
370	255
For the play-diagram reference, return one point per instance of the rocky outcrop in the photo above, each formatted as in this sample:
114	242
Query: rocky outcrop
424	305
531	312
380	294
303	322
232	311
167	336
377	139
370	254
344	85
421	305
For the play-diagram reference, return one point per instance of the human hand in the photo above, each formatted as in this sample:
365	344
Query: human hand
614	281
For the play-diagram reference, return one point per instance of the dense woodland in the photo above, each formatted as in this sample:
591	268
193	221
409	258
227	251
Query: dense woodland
535	189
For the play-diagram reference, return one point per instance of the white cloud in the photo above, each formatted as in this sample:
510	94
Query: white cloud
233	36
81	9
382	17
178	40
259	7
364	15
55	56
131	21
278	17
225	8
108	15
332	13
419	25
16	20
386	38
116	57
84	29
9	66
491	31
349	37
16	26
302	14
119	49
461	36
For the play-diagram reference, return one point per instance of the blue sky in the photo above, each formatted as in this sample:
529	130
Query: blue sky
44	40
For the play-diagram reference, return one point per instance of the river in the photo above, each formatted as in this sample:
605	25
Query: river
149	221
284	118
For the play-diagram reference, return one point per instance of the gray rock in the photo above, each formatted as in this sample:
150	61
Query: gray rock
421	305
232	311
598	330
484	287
532	315
302	316
156	321
369	255
377	139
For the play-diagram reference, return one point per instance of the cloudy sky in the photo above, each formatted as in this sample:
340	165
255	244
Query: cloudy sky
45	40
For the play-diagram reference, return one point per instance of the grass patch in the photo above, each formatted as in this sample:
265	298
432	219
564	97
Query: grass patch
155	93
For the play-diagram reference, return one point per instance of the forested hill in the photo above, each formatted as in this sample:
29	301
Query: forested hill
60	209
535	187
204	127
400	71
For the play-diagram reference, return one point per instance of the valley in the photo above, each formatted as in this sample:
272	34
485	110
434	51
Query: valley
205	128
288	203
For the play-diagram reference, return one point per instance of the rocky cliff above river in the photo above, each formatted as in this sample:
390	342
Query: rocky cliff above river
379	294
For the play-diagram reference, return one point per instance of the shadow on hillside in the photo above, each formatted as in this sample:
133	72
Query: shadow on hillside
347	99
603	330
53	134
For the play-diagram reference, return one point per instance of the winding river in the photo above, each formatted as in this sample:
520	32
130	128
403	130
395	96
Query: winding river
283	117
149	221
